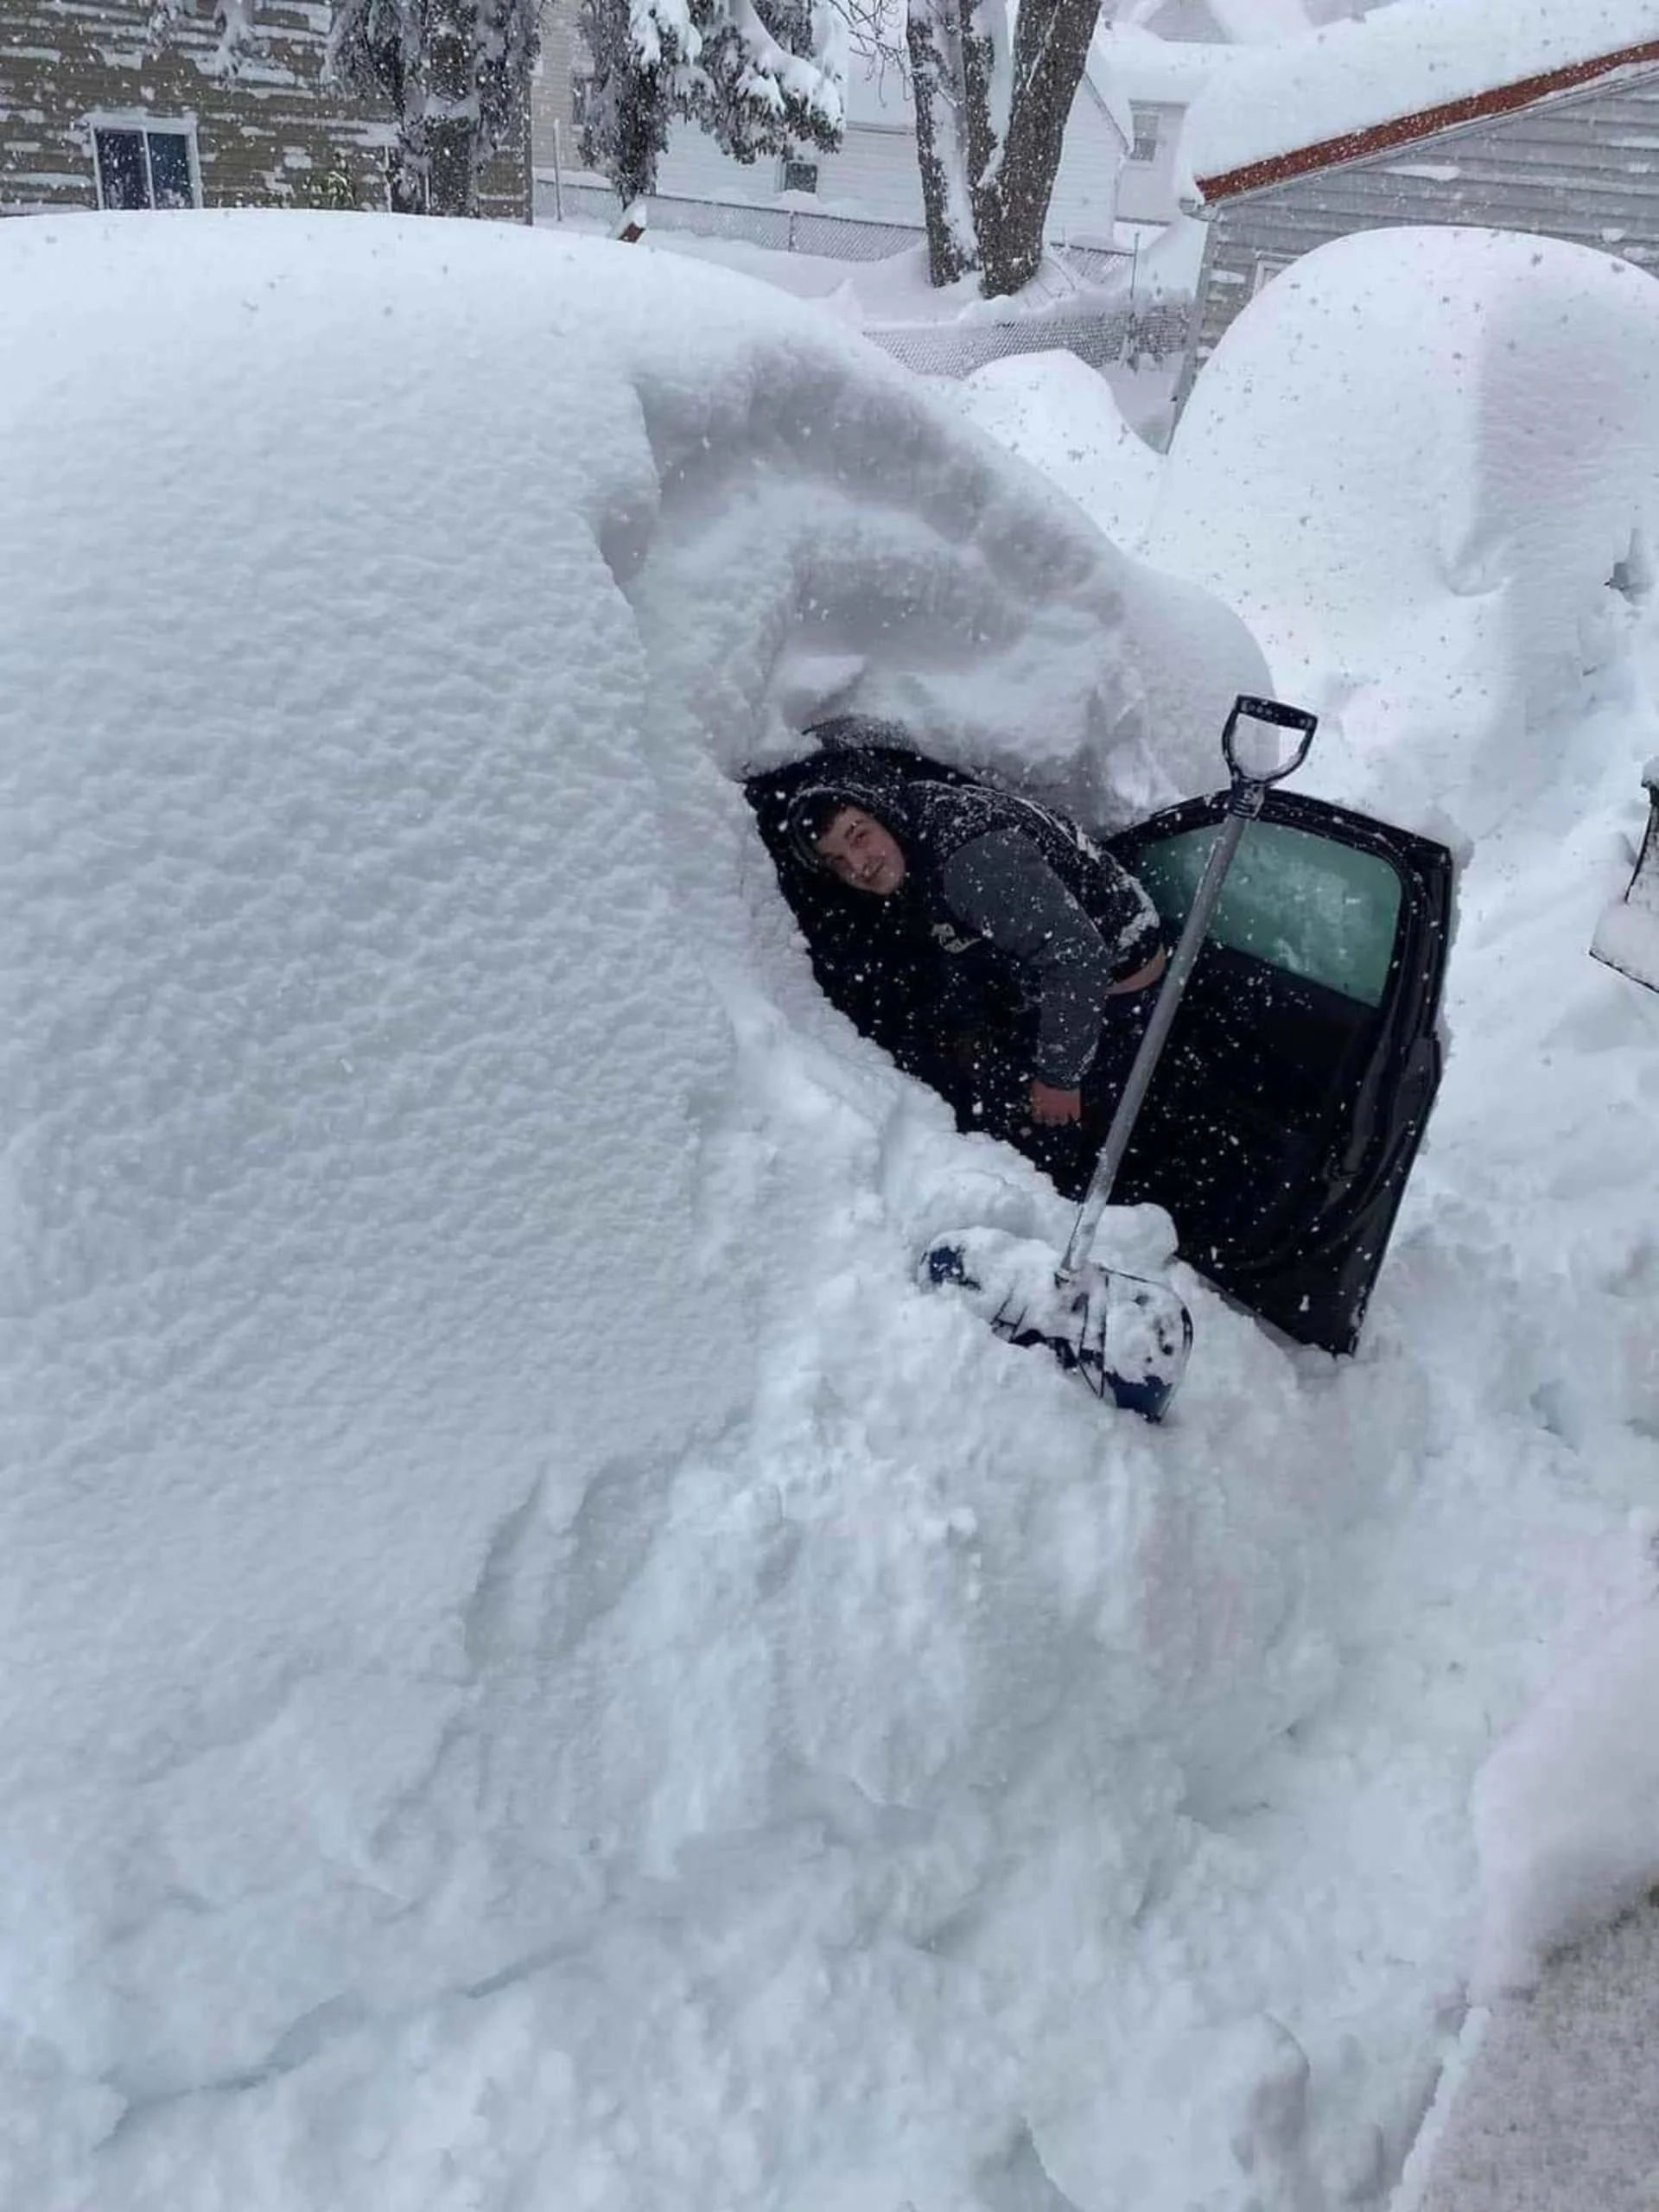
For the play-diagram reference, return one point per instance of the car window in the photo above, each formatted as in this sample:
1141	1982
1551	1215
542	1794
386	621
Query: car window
1320	909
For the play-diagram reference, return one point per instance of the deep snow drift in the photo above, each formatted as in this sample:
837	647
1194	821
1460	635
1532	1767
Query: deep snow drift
1437	447
540	1669
485	1490
1056	412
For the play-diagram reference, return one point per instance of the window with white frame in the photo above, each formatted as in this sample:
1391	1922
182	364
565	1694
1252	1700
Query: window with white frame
799	176
1267	266
1144	122
145	165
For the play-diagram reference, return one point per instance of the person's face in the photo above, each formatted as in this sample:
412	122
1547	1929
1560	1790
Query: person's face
862	853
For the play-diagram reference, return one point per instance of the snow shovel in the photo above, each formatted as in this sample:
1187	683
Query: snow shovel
1627	936
1124	1336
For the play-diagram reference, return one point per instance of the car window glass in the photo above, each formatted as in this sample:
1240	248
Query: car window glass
1326	910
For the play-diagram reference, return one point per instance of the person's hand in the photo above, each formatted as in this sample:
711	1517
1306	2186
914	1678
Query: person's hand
1050	1107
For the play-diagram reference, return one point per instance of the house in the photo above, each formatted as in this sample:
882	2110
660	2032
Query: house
131	104
1517	115
1226	22
1158	80
871	180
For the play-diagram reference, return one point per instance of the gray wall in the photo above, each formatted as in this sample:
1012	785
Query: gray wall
1585	167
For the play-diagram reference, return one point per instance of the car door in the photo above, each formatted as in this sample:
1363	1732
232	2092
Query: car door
1288	1109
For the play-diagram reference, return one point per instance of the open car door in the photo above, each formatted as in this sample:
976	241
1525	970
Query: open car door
1287	1108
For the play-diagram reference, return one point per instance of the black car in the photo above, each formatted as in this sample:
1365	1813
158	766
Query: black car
1292	1096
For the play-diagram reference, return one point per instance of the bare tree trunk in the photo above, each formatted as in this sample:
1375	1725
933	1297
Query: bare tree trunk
451	110
932	35
1012	169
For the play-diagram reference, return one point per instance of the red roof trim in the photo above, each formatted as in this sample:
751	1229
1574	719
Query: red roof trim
1405	129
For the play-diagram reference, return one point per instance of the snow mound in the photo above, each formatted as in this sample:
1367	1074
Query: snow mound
1566	1809
512	1597
1059	415
1433	449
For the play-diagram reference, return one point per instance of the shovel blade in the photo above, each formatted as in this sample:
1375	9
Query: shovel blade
1125	1337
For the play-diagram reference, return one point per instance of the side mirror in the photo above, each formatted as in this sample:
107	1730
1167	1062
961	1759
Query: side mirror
1627	936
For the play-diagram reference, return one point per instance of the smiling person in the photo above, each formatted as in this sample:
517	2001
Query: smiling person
1040	952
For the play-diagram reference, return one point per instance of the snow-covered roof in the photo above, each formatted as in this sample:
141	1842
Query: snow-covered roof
1138	65
877	95
1413	70
1246	22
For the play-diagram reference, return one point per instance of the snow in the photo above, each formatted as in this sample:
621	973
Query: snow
1055	411
1566	1809
877	90
1439	633
1627	938
1159	72
450	1443
1407	58
1627	935
541	1669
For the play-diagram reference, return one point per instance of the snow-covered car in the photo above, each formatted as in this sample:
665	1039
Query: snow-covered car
1289	1104
538	1663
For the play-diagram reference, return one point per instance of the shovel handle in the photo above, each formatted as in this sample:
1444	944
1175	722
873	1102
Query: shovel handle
1248	707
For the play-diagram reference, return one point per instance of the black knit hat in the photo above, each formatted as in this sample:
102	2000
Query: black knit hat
810	813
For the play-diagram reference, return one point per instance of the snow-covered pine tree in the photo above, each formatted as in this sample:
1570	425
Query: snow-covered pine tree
456	75
625	123
760	76
992	101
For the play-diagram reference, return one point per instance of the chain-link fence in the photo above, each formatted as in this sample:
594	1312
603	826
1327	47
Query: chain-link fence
781	230
1099	333
1138	336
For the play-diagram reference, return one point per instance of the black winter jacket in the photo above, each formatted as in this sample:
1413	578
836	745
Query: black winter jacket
1023	910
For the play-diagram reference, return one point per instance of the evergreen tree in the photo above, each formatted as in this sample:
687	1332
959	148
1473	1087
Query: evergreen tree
760	76
625	123
456	76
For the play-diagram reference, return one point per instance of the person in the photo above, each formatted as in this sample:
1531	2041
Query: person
1042	954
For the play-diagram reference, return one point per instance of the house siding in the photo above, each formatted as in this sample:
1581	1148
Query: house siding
268	131
551	101
1583	168
1146	191
1085	206
873	173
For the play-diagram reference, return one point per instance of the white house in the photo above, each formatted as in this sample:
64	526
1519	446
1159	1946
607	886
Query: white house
873	175
1157	56
1157	80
